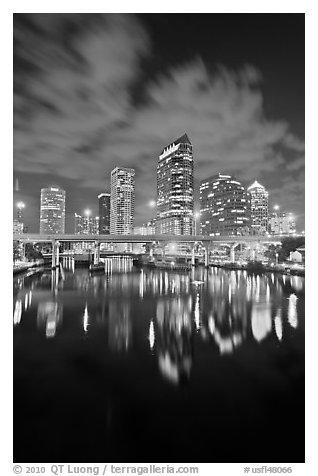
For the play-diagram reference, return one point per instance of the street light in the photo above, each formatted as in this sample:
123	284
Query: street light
152	203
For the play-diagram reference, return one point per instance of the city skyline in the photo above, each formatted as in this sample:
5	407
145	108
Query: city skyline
90	95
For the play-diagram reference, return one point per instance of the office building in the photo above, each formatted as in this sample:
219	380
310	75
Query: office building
259	208
175	188
146	229
104	213
224	206
20	207
281	223
86	224
122	201
18	227
52	211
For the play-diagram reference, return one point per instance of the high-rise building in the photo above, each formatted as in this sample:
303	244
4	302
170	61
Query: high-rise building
52	213
224	206
18	227
175	188
146	228
259	208
104	213
20	207
122	201
86	225
281	223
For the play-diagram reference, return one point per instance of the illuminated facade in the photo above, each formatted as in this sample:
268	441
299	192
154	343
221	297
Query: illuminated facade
86	225
146	229
17	227
52	212
281	223
122	201
104	213
175	188
224	207
259	208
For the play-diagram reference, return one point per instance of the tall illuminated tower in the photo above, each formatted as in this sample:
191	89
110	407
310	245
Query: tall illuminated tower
52	212
175	188
259	207
122	201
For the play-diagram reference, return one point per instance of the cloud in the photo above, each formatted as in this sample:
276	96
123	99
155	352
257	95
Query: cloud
69	106
75	116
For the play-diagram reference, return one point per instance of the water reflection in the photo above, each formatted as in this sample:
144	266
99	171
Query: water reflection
120	328
278	324
49	317
174	338
17	312
261	320
170	313
151	336
292	310
85	319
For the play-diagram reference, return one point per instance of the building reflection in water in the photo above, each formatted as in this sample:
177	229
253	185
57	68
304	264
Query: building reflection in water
197	312
85	318
49	317
225	311
18	307
141	283
173	338
278	324
120	329
17	312
292	311
151	335
261	321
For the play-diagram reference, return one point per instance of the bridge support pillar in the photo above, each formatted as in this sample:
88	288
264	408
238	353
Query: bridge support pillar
53	254
193	256
57	258
162	246
23	251
97	252
232	252
206	255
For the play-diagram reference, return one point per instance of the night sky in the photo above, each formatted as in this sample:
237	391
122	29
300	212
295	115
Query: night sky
95	91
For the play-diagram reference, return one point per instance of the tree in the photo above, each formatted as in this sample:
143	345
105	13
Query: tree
290	243
31	253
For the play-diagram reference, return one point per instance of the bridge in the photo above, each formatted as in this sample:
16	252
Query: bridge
160	240
37	238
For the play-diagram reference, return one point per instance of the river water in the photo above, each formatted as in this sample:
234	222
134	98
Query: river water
141	365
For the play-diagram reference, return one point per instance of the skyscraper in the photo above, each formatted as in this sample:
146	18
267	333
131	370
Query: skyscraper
259	208
52	213
122	201
175	188
224	206
104	213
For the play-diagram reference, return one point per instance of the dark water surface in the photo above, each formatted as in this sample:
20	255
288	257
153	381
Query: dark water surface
155	366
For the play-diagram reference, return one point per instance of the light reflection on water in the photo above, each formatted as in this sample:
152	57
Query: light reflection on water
139	341
227	308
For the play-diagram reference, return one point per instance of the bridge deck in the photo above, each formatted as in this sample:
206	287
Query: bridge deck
29	237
